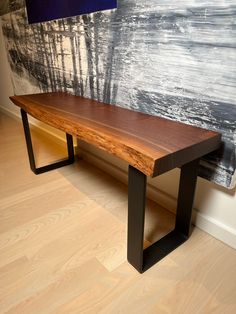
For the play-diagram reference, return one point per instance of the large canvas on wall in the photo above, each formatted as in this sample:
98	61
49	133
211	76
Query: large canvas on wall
172	59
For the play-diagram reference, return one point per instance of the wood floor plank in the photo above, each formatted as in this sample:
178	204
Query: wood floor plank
71	283
14	215
209	287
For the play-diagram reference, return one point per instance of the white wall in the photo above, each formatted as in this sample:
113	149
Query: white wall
6	88
215	206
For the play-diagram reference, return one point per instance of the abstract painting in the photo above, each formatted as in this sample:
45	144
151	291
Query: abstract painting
175	59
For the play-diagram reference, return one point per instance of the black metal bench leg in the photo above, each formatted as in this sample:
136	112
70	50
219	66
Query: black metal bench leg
187	185
136	216
54	165
144	259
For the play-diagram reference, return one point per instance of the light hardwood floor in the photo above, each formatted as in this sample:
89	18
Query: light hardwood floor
63	244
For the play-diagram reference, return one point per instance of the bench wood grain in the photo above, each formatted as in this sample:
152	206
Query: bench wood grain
151	144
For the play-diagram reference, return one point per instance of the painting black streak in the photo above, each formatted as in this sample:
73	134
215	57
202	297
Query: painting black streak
174	59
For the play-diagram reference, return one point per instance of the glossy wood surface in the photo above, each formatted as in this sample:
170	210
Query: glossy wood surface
149	143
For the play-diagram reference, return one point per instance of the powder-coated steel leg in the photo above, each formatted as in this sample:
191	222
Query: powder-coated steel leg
187	184
136	216
144	259
52	166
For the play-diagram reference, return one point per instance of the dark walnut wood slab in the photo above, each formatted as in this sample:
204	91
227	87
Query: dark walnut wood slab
151	144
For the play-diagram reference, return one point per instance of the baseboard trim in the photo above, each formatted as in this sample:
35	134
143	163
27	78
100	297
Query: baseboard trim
37	127
10	113
215	228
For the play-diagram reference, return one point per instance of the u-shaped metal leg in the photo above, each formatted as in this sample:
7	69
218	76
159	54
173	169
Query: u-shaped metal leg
29	145
143	259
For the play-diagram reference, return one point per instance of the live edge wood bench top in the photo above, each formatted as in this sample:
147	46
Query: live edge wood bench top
151	144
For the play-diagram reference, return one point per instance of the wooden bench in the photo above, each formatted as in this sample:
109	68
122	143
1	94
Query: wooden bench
151	145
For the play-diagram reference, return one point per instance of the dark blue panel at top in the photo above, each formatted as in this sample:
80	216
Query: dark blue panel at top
46	10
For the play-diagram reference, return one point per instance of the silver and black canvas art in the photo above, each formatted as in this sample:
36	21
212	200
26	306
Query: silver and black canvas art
175	59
